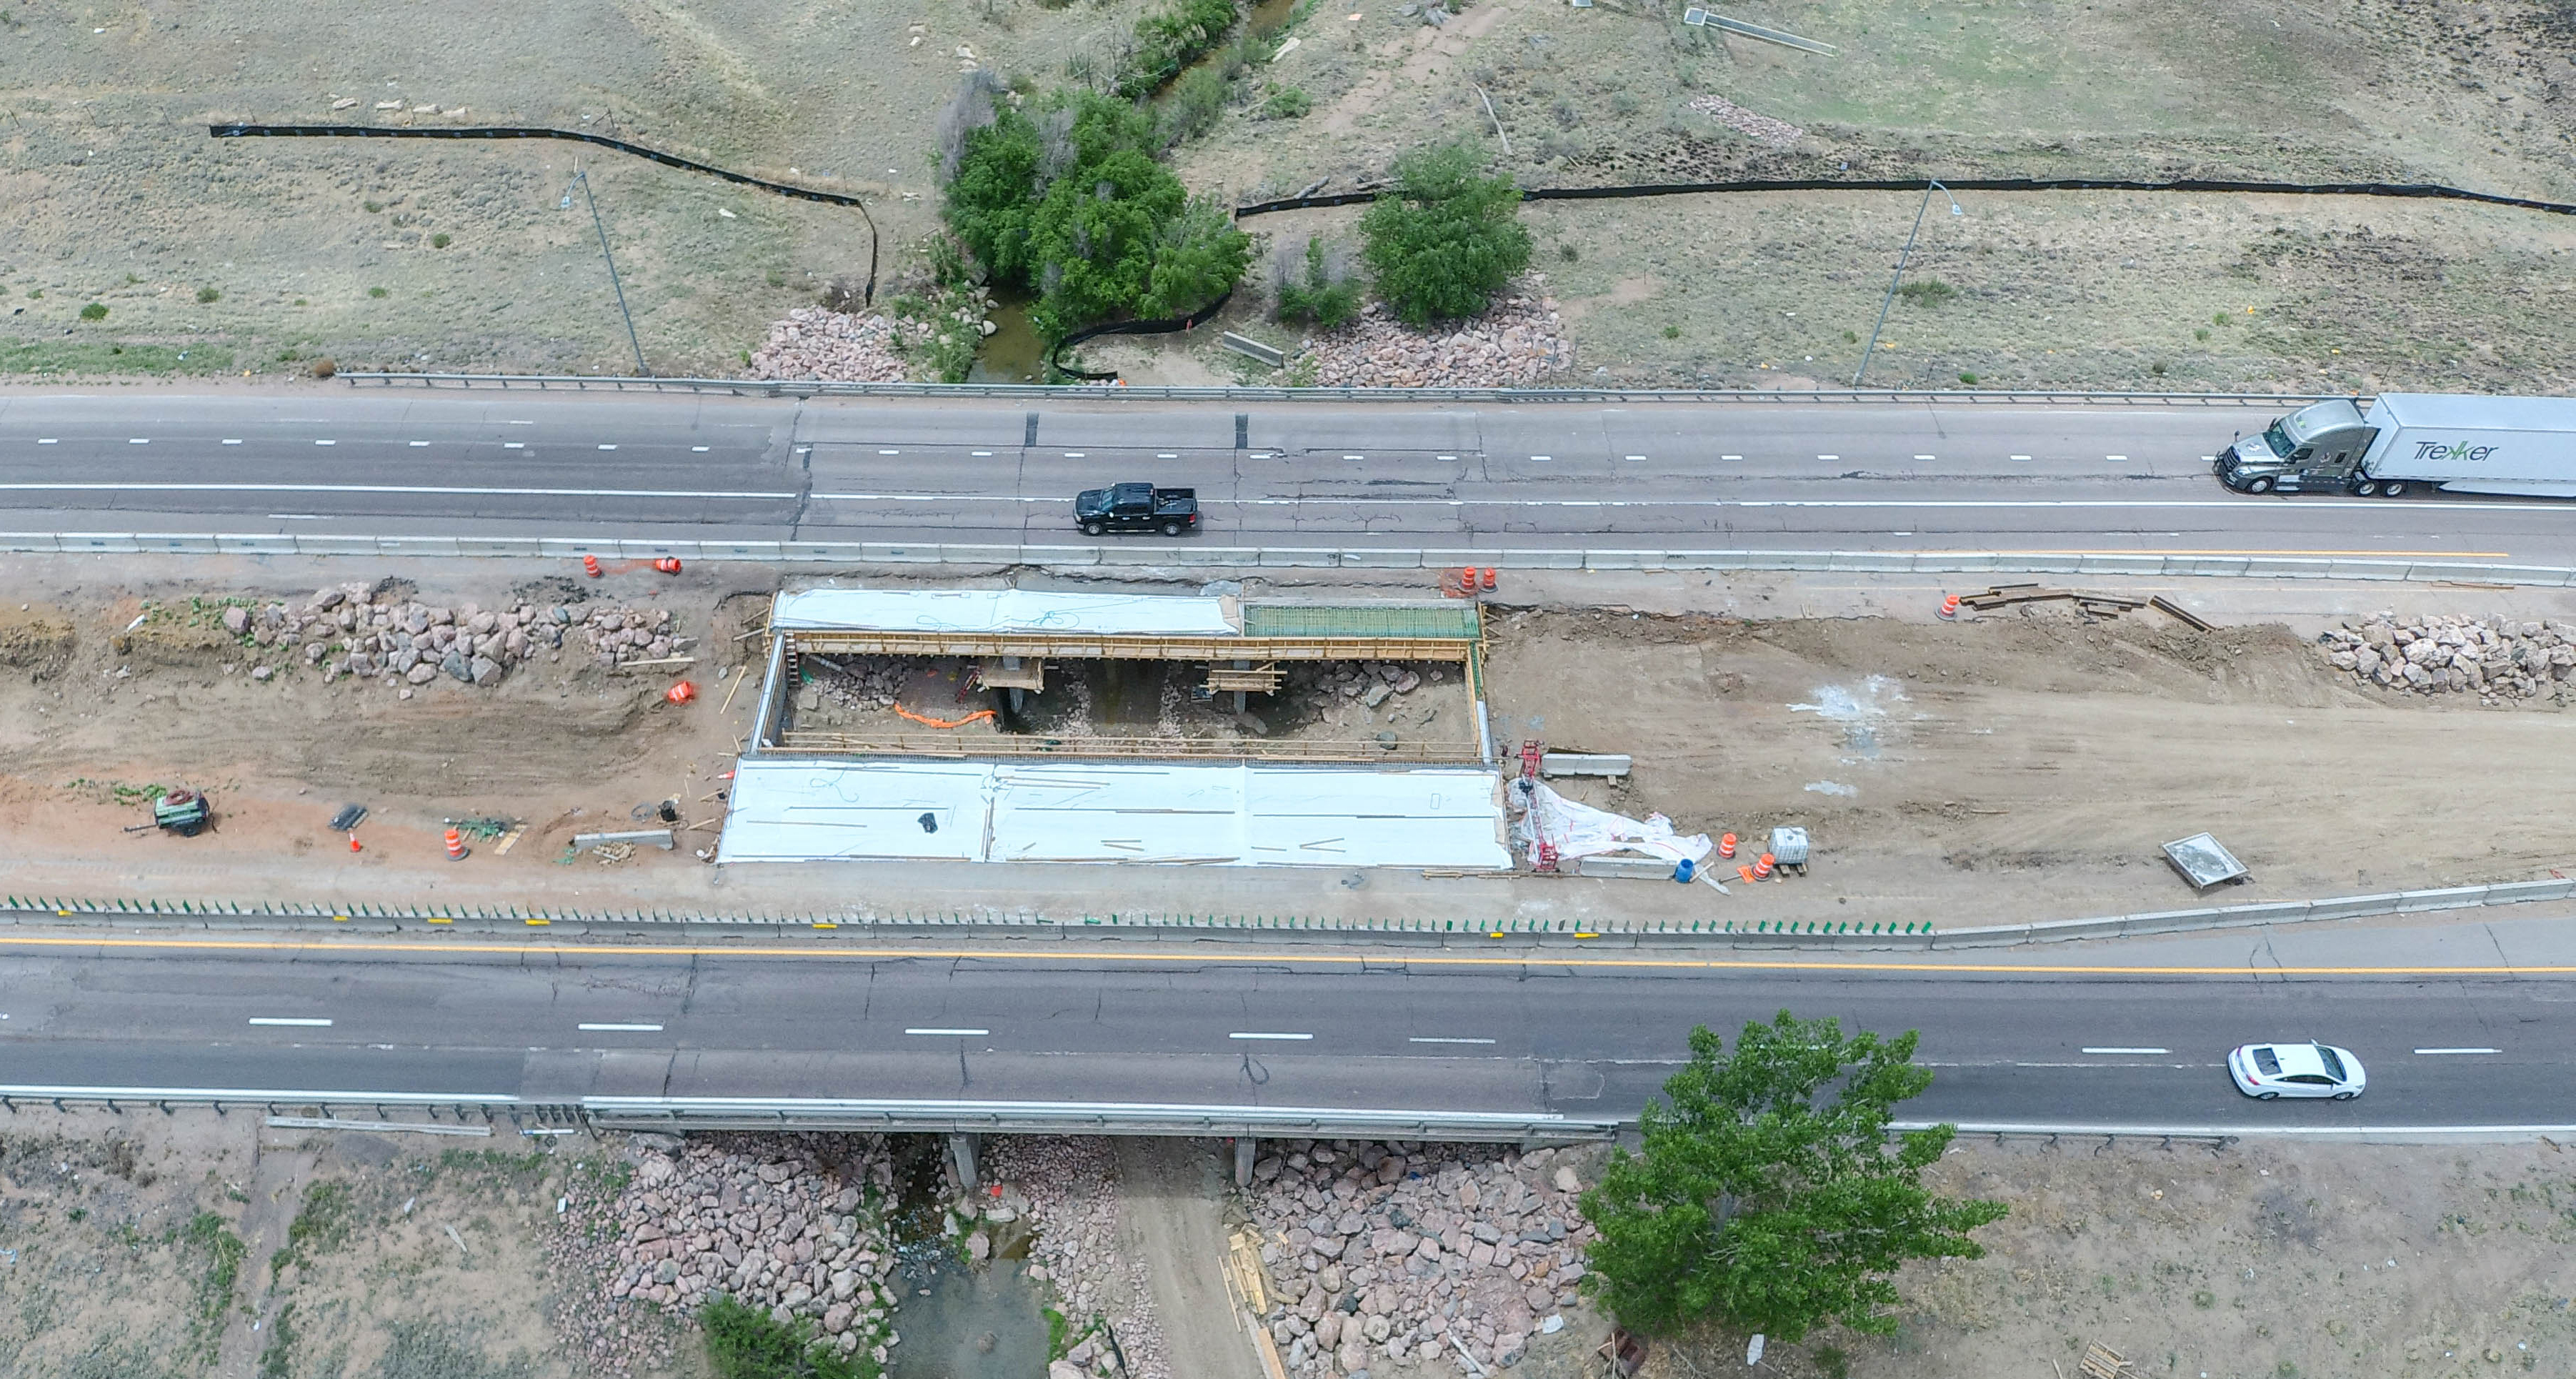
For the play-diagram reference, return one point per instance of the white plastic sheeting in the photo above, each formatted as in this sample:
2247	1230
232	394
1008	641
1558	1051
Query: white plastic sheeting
1004	610
1579	830
786	810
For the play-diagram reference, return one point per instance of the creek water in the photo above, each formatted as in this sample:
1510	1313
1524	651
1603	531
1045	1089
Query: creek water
957	1320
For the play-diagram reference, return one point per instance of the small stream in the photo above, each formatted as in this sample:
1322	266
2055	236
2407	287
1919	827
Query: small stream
1013	353
957	1320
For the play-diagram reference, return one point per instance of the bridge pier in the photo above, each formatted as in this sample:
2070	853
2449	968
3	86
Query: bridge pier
961	1156
1243	1151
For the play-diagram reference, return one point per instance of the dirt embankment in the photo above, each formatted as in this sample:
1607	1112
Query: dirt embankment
2041	748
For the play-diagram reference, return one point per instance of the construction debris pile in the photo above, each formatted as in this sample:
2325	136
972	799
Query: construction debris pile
2495	658
1414	1253
618	634
1068	1187
789	1223
1520	340
854	682
814	342
351	629
1323	683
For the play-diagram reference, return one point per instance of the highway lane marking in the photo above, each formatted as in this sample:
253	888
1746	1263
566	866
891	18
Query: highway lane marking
391	488
1830	458
139	440
1730	457
290	1020
56	440
2117	459
2442	1051
620	1029
514	445
326	442
608	447
889	452
1926	457
1428	1039
416	445
697	450
1633	457
987	454
360	947
961	1033
1258	1035
2118	1050
229	442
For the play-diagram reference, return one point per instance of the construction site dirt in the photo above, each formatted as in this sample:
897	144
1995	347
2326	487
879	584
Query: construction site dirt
2018	766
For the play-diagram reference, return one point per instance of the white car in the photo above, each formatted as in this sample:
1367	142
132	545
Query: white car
2266	1071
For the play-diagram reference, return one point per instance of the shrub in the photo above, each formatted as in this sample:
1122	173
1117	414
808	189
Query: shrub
378	292
440	241
1169	40
1313	283
1445	240
1194	105
1969	379
95	311
372	206
1927	292
325	368
1286	103
208	294
745	1343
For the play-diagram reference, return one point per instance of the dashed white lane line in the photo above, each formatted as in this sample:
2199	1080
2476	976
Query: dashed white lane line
2135	1050
416	445
889	452
227	442
138	440
1355	457
2021	457
1262	1035
57	440
1431	1039
1633	458
960	1033
1927	457
2117	459
290	1020
608	447
326	442
1830	459
1542	459
1165	455
514	445
987	454
619	1029
2444	1051
1730	457
1073	454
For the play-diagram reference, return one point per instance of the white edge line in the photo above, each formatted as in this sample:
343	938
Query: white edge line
289	1020
2136	1050
1260	1035
1427	1039
959	1032
2212	1131
630	1029
2433	1051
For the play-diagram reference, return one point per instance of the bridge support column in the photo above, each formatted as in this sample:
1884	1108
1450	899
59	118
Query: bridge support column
1243	1152
961	1156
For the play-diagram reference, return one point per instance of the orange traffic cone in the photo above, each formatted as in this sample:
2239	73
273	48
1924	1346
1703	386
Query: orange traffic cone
1950	606
353	844
455	846
590	566
1489	579
669	564
681	693
1726	847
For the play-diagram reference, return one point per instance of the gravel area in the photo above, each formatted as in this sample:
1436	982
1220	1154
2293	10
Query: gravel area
1521	340
1416	1254
1069	1190
791	1223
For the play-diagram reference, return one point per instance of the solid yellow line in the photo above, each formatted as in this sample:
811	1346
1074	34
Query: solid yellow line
560	951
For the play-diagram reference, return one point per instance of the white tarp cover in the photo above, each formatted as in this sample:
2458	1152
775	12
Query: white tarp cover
798	810
1002	610
1579	830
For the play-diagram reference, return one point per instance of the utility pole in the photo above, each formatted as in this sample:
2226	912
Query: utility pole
1904	254
581	179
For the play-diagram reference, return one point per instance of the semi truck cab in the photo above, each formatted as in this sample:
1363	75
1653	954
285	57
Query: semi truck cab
2316	449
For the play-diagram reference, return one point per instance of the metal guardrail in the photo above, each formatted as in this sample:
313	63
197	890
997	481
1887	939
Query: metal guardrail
815	387
1185	556
866	922
483	1105
1081	1118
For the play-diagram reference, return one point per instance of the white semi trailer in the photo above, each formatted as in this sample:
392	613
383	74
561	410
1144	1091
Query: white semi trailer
2407	441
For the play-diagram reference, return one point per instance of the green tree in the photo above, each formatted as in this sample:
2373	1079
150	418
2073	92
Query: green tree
744	1343
1768	1196
1071	206
1445	240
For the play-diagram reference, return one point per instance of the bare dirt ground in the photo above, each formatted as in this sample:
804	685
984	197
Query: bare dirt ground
2007	767
2265	1260
331	248
146	1246
1937	763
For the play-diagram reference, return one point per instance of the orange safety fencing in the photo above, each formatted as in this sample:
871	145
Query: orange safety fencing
942	722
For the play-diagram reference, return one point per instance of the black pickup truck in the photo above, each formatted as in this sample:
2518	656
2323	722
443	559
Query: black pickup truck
1136	507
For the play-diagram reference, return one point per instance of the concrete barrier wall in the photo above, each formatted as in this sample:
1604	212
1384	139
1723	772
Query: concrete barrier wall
1186	556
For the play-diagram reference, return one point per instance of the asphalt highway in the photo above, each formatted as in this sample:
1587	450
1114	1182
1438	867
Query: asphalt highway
1741	476
2045	1041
